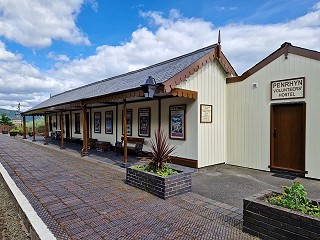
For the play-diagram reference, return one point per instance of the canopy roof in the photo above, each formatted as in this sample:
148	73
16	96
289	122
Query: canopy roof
168	73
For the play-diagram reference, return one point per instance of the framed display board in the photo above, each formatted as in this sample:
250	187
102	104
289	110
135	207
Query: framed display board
205	113
97	122
144	118
129	122
177	120
109	122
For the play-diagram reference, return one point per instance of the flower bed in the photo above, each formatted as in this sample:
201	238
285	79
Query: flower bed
163	187
267	221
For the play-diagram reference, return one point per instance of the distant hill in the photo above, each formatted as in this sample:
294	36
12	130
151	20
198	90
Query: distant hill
10	113
13	114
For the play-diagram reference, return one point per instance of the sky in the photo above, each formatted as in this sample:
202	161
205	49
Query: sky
50	46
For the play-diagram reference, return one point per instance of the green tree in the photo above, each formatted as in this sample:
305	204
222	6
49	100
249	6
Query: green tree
5	120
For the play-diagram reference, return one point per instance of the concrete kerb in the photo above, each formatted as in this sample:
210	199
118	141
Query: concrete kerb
35	226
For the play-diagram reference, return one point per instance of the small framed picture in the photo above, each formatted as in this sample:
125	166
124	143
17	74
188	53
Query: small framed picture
129	122
144	117
109	122
177	122
97	122
205	113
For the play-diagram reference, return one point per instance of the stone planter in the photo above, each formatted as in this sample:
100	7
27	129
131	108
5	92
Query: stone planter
268	221
163	187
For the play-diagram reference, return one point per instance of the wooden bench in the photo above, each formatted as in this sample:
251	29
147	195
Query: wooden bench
135	144
92	143
103	146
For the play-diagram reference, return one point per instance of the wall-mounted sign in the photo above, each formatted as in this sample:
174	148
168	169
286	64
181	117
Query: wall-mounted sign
205	113
287	89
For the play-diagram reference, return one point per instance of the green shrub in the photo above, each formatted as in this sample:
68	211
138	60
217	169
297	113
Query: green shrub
165	171
294	198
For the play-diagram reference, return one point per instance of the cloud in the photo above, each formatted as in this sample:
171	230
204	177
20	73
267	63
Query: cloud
222	8
61	57
20	81
243	44
93	3
37	23
6	55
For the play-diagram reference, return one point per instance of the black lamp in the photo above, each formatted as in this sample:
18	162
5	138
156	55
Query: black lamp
149	88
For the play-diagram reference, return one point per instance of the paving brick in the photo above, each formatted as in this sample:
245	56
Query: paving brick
82	199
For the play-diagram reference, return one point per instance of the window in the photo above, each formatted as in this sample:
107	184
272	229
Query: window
77	123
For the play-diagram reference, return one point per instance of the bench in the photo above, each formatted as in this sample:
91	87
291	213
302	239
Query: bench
92	143
134	144
103	146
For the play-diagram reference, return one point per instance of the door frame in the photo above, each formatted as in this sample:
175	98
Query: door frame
271	166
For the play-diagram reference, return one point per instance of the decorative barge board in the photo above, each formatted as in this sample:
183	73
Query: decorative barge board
268	221
162	187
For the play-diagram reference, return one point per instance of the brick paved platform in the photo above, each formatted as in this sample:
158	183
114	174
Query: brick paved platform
78	198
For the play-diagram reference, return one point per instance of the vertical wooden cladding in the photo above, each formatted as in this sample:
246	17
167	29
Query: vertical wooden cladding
209	82
249	113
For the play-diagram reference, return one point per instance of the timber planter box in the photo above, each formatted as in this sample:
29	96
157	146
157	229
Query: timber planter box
163	187
268	221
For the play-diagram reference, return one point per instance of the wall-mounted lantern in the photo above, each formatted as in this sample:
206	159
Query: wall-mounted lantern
149	88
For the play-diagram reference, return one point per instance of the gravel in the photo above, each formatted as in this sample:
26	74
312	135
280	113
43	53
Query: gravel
11	225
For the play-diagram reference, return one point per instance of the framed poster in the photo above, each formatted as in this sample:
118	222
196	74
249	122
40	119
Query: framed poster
177	122
97	122
205	113
129	122
144	116
109	122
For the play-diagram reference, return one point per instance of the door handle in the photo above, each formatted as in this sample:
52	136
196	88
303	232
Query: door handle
274	132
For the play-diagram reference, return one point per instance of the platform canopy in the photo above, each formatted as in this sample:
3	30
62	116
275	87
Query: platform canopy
168	75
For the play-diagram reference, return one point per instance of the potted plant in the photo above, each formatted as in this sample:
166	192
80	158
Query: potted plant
285	215
158	177
14	132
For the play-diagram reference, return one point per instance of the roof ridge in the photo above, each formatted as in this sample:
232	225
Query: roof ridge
141	69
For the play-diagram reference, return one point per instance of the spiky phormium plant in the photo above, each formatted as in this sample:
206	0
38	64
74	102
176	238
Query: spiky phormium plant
160	149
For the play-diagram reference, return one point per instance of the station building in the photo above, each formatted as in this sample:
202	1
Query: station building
265	119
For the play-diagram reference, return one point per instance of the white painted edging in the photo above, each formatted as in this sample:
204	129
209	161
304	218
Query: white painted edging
38	225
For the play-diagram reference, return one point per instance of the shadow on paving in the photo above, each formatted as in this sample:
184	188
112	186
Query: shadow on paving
105	156
82	199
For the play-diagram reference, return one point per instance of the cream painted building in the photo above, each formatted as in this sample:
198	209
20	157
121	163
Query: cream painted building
211	114
273	113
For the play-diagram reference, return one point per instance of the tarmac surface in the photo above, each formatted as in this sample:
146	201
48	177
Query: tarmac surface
231	184
82	198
